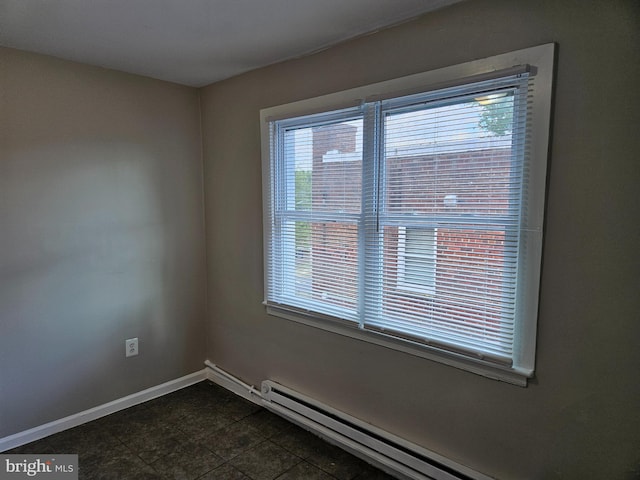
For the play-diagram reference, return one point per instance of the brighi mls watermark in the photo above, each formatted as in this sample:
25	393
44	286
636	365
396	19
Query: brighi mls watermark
49	467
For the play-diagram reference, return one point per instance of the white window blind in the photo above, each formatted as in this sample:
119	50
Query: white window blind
314	259
410	218
451	160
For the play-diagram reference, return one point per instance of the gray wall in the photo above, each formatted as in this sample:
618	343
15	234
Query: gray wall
101	236
579	418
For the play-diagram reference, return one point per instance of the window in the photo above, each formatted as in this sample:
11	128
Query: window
416	259
413	219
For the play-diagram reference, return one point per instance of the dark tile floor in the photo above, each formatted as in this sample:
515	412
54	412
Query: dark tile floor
201	432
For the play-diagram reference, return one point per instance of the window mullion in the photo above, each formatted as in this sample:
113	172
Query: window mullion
370	287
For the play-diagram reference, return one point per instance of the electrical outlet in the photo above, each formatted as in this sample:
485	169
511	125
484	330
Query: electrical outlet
131	347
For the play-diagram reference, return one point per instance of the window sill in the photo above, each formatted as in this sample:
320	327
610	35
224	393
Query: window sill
513	376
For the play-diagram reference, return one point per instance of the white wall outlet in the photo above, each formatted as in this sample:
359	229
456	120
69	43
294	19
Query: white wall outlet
131	347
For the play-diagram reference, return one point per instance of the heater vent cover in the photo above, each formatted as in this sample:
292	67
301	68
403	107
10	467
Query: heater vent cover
383	449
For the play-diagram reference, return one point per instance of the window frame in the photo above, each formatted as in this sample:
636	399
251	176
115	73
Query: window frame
280	179
540	61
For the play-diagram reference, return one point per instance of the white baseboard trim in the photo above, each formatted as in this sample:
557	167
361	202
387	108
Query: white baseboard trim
94	413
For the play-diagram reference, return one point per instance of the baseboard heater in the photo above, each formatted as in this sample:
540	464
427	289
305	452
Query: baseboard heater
386	451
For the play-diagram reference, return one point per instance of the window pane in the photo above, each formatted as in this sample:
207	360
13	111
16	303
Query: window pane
452	159
470	299
334	264
408	269
303	260
476	268
415	258
323	167
408	281
419	242
321	271
476	285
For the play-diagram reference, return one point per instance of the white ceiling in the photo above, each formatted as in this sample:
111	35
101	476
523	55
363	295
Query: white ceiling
193	42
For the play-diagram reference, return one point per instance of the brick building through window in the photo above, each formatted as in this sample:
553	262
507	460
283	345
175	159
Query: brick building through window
473	180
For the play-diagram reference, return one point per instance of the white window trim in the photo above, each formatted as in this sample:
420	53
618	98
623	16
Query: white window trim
541	60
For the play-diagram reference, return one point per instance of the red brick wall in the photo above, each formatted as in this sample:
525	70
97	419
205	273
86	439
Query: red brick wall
477	179
336	244
335	183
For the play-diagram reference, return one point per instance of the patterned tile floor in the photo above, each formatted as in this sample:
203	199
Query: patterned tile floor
201	432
